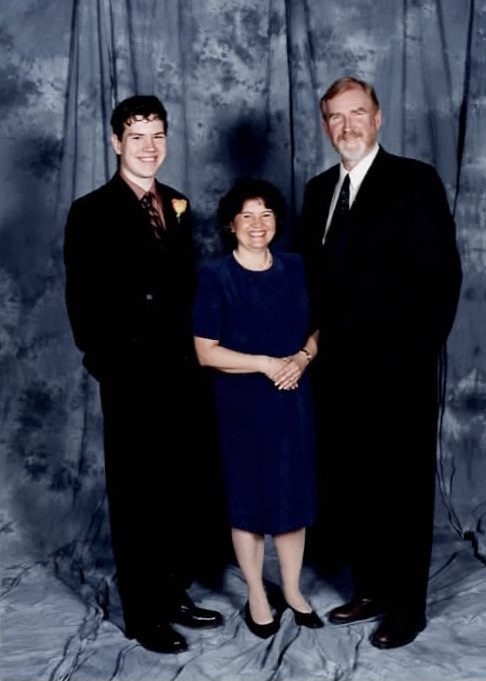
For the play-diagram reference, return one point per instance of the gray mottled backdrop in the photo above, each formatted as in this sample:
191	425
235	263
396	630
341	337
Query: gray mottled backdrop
241	81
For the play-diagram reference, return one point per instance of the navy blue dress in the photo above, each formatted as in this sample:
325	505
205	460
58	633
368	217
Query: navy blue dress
266	434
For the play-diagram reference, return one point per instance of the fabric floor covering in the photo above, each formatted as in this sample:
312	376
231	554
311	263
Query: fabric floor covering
49	633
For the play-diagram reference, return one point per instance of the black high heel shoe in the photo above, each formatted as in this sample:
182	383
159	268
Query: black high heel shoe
307	619
276	599
260	630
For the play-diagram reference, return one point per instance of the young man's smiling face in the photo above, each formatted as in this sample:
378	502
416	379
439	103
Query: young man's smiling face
142	149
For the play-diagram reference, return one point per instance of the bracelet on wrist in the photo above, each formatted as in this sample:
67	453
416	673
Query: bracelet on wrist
307	354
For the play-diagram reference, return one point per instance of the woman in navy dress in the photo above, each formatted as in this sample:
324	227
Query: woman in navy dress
253	325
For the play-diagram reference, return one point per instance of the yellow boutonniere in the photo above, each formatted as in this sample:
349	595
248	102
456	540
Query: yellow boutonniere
179	206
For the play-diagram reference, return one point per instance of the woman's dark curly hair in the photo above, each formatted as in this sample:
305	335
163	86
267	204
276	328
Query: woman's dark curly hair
243	189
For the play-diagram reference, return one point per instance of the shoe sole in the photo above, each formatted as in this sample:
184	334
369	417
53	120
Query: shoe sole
375	618
155	649
197	626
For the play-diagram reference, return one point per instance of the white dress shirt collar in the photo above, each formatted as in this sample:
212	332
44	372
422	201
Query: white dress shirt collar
356	177
357	174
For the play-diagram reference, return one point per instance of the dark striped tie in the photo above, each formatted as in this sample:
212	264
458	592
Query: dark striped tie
148	203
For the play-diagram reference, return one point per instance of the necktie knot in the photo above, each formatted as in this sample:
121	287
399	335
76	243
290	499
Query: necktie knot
146	200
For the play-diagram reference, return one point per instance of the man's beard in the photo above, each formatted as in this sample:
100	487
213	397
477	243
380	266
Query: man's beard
358	150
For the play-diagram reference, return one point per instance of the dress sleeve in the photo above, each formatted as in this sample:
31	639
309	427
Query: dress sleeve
208	305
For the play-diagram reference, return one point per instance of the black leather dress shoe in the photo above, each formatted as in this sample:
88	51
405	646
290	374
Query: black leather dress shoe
159	638
307	619
356	610
260	630
189	615
397	630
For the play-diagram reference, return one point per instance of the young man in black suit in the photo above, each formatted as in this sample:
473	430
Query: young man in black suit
379	241
129	290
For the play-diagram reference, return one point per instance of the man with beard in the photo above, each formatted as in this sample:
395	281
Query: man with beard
379	242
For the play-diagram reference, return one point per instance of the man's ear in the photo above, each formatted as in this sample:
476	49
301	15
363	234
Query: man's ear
378	119
116	144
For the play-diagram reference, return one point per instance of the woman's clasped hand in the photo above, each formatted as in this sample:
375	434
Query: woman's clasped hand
285	372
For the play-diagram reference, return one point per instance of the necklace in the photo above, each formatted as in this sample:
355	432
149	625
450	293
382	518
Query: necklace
265	265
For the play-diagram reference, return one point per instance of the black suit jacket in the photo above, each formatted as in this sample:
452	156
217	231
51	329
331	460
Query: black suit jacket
128	296
388	298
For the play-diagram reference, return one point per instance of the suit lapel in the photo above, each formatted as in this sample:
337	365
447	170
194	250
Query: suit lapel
325	198
371	189
125	206
329	188
166	196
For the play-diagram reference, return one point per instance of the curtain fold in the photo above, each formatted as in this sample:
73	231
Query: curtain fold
463	456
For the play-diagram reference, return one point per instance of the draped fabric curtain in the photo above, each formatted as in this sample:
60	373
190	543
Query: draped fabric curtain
241	82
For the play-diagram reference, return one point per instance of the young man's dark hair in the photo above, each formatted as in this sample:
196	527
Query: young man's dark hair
138	107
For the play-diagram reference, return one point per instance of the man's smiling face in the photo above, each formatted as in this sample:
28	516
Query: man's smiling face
142	149
352	121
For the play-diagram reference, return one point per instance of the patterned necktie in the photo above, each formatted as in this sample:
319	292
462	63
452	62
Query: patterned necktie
148	203
339	217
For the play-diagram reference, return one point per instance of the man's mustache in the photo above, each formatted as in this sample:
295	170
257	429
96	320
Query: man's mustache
349	135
